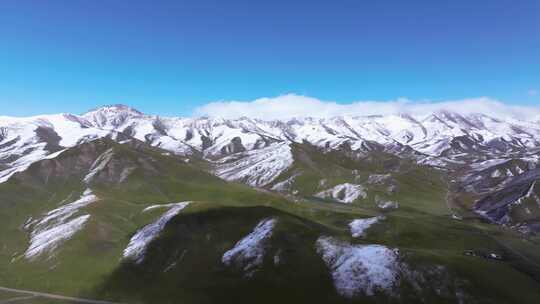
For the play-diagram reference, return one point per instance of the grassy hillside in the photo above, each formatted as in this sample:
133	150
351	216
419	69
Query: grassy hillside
184	263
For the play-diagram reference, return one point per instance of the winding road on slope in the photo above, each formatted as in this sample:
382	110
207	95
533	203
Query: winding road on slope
28	294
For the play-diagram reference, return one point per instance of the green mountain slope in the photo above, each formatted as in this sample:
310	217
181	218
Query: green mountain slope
122	190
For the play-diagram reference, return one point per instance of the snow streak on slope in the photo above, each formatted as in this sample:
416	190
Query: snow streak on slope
529	201
248	254
360	269
57	226
159	206
98	165
386	205
359	226
257	167
285	185
487	164
345	193
139	242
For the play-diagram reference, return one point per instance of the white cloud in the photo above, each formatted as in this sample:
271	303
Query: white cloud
292	105
532	92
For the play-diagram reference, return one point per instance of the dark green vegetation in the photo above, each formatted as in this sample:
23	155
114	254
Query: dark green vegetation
183	264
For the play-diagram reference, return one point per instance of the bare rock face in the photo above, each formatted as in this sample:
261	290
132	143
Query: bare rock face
503	206
50	137
3	133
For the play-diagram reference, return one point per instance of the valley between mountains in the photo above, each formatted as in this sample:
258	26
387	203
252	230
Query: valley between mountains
116	205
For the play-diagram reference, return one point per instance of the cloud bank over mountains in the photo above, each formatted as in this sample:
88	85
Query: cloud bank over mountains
292	105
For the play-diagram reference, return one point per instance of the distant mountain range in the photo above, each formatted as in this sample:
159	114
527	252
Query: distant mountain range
257	152
436	139
222	206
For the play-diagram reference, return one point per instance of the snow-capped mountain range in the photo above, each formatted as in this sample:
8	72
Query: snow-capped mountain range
374	206
436	139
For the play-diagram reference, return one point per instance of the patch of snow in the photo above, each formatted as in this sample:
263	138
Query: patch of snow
248	253
360	269
158	206
344	193
57	226
386	205
99	164
55	154
359	226
167	143
63	212
530	194
286	184
487	164
49	239
378	178
223	137
256	167
495	256
496	174
457	217
125	173
138	243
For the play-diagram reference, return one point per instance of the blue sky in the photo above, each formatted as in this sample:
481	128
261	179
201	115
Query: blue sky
171	57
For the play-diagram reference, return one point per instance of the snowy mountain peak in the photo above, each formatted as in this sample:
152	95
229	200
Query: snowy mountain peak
116	108
111	116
